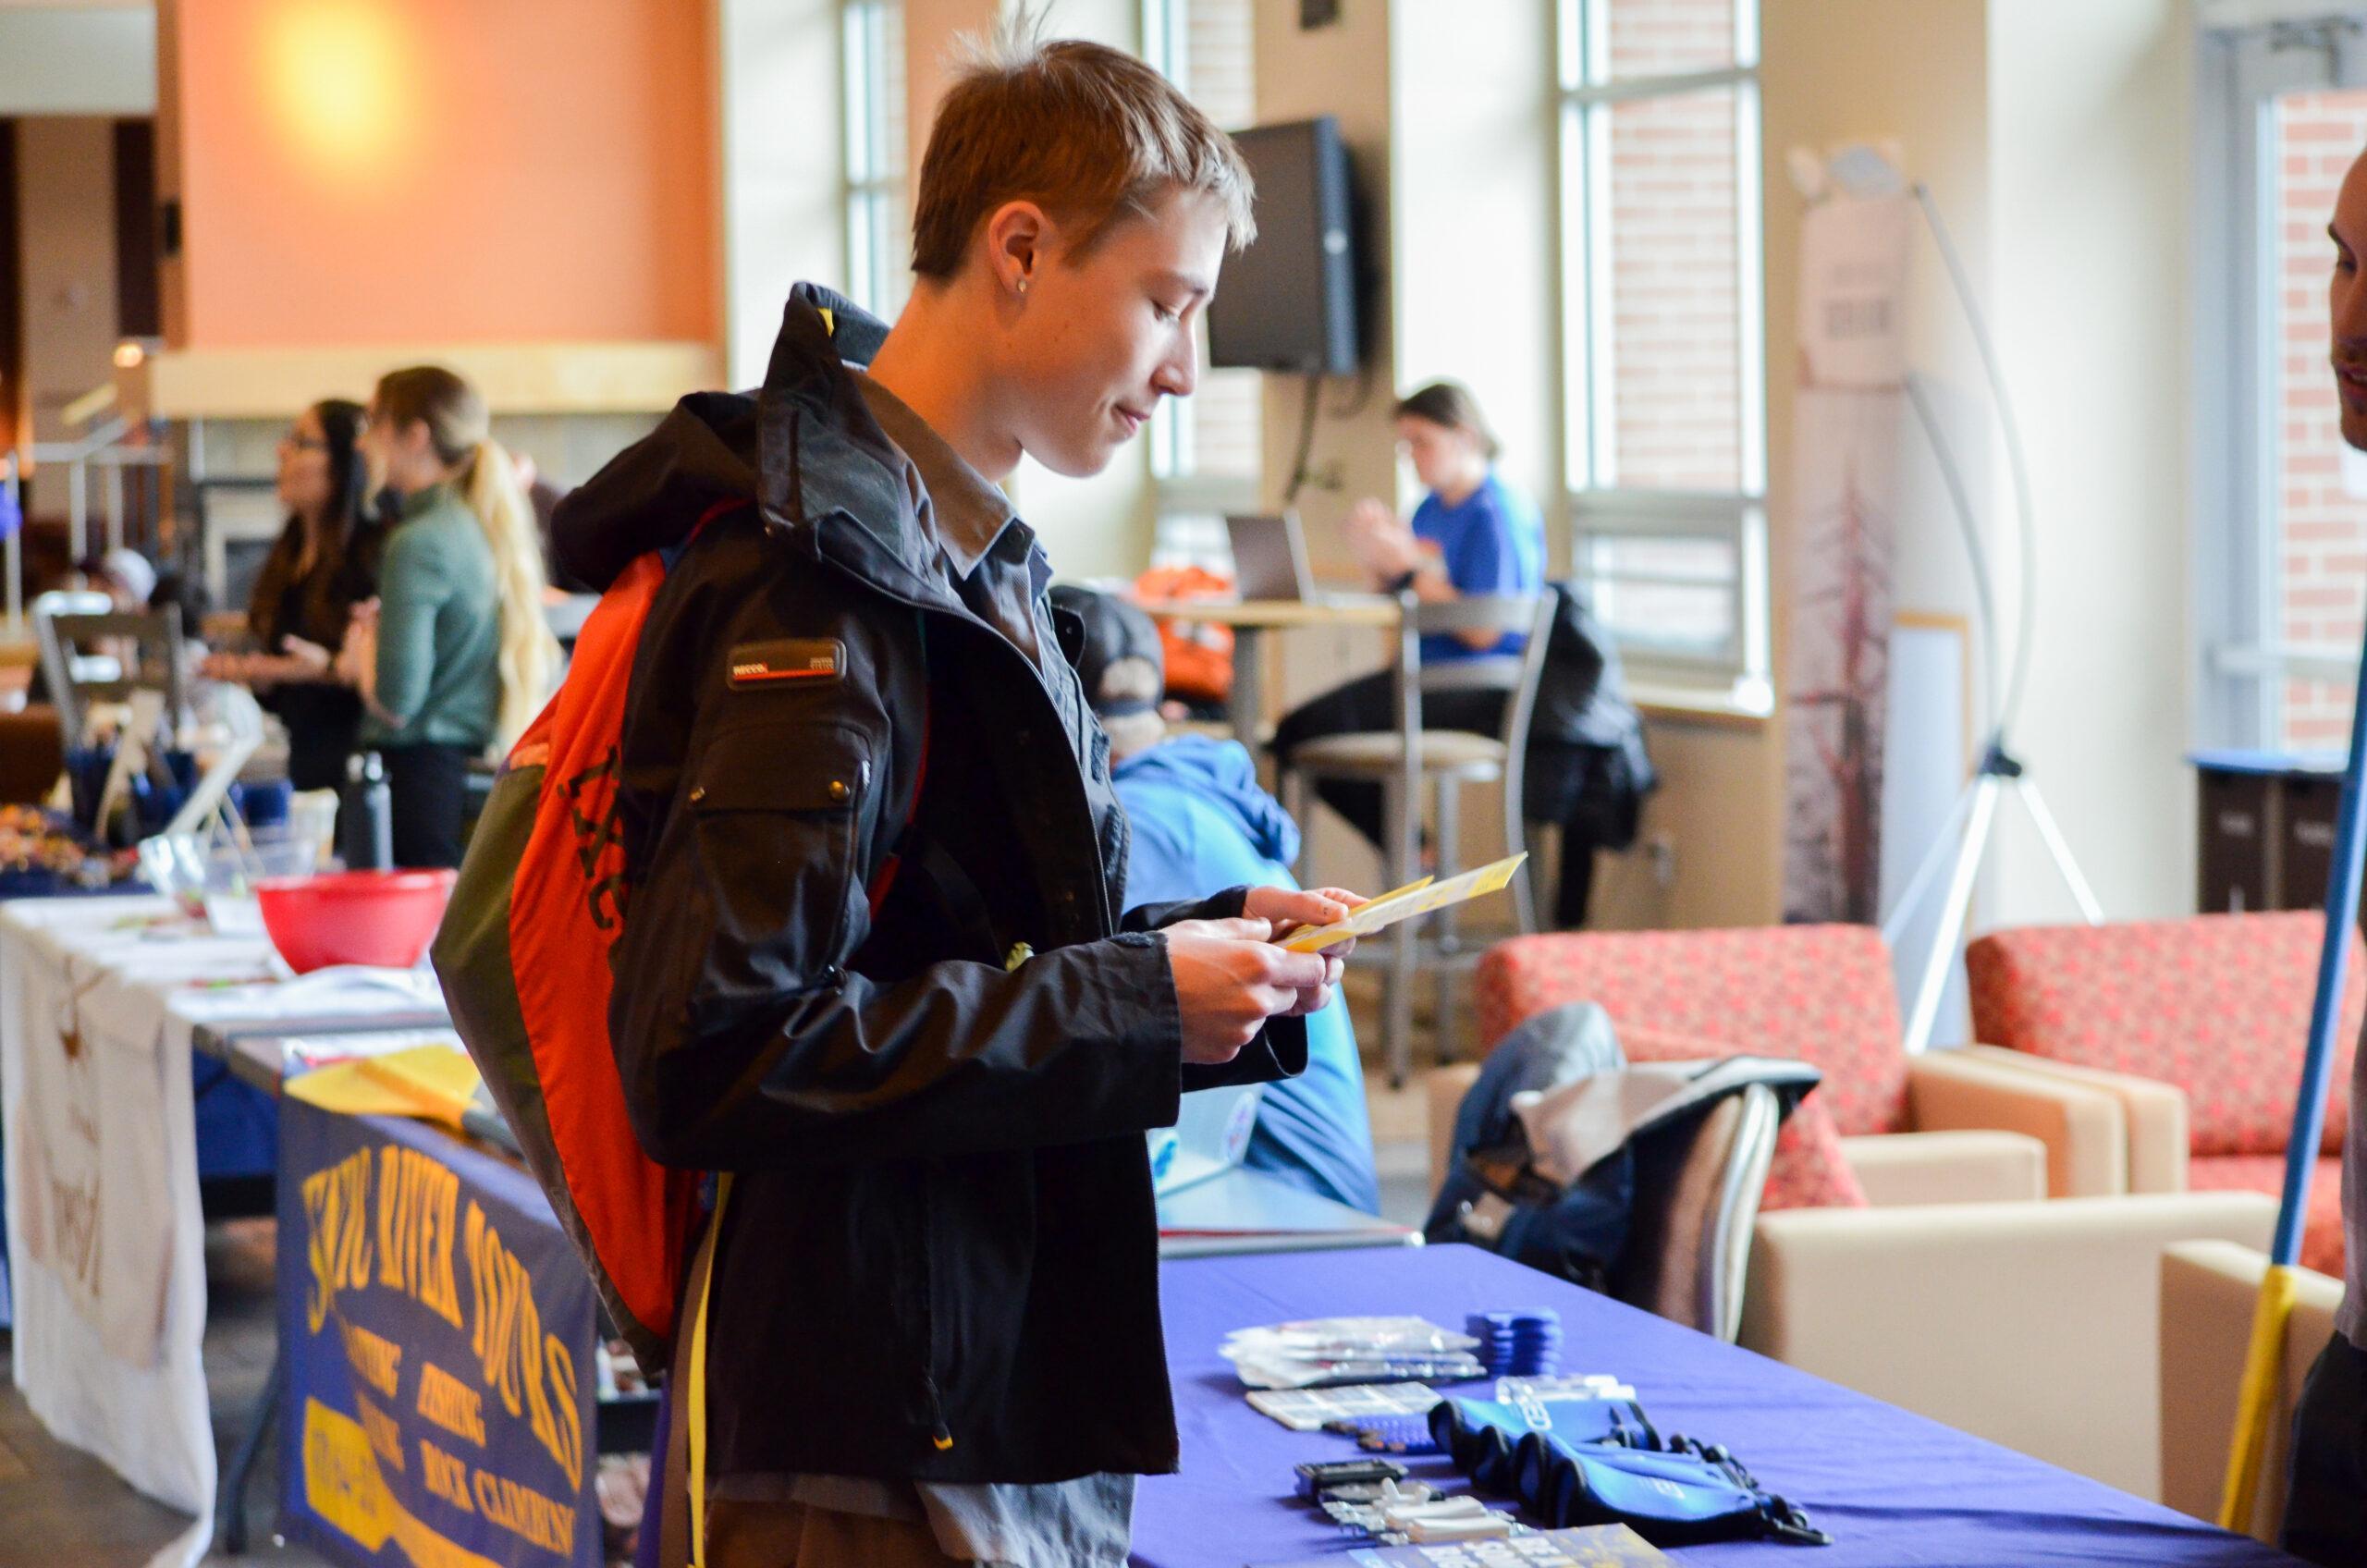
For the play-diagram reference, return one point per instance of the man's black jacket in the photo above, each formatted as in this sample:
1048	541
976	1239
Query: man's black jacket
845	802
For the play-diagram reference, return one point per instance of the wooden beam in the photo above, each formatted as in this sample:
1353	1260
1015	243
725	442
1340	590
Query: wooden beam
515	378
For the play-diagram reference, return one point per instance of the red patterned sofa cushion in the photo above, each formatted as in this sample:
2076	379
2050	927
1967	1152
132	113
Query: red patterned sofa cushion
1821	993
2322	1231
2216	1004
1809	1170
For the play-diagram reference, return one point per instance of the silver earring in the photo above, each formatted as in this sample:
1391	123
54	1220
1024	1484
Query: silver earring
1023	284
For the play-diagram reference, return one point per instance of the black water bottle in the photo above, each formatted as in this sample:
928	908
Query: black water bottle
365	820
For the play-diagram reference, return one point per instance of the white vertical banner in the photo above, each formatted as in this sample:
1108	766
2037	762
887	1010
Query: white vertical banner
1845	438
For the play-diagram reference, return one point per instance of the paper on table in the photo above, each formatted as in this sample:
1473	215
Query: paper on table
1420	898
433	1081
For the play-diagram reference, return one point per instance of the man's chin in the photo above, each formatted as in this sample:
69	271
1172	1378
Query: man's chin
2354	430
1081	462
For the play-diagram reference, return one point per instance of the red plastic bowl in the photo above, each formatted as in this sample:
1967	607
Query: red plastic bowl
385	918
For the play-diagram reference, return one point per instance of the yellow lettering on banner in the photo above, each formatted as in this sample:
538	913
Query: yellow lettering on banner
521	1363
375	1359
446	1475
418	1198
526	1512
336	1211
342	1484
386	1437
451	1404
567	1445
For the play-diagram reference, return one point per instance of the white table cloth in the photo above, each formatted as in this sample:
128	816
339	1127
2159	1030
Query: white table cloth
106	1245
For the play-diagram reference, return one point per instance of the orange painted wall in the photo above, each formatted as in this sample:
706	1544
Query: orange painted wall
442	171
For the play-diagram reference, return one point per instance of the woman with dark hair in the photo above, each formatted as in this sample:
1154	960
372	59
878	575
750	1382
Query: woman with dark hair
1471	534
324	562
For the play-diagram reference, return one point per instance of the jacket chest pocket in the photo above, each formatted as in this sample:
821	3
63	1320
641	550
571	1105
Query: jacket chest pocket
779	809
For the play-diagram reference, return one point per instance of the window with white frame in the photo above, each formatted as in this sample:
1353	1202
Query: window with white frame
878	215
1205	451
2281	515
1664	393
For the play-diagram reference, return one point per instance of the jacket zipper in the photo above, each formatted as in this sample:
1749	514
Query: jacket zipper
941	1435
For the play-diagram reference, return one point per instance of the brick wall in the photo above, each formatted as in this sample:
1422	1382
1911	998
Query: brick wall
1675	310
2321	532
1220	61
1676	314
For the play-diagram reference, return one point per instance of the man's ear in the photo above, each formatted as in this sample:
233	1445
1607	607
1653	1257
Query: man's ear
1018	240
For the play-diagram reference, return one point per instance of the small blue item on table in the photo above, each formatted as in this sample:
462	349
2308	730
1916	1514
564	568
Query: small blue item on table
262	802
1518	1343
1395	1434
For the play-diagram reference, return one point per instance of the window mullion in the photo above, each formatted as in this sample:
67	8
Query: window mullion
1603	423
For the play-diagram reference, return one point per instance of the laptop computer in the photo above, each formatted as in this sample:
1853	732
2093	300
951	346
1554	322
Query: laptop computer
1270	558
1211	1135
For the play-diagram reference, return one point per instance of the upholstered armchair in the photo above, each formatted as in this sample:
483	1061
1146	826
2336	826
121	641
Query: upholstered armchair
2199	1027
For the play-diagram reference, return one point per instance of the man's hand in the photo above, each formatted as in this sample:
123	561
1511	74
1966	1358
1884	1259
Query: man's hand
1229	978
1381	541
1287	908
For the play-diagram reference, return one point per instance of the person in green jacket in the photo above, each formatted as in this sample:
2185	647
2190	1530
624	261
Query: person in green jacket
453	658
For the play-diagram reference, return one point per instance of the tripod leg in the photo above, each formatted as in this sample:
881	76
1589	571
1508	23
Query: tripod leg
2035	804
1934	857
1958	902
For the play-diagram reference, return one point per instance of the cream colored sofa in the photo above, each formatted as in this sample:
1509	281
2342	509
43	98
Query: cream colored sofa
2208	1289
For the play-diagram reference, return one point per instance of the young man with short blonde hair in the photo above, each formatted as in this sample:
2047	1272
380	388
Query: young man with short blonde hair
875	965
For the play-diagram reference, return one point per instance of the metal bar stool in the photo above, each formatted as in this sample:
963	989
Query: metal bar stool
1407	761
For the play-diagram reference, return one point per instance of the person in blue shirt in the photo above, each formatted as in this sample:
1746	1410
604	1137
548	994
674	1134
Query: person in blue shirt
1201	825
1472	535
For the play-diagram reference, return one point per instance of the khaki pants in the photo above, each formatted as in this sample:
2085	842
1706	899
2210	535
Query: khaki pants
790	1535
772	1534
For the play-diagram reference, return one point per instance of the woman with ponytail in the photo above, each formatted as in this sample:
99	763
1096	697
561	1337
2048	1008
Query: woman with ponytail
454	658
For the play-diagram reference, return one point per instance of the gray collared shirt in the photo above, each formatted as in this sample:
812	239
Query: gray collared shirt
990	555
1001	572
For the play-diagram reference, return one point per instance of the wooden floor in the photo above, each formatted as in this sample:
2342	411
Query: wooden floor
60	1506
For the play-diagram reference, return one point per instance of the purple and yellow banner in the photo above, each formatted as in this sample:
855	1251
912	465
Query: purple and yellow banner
438	1335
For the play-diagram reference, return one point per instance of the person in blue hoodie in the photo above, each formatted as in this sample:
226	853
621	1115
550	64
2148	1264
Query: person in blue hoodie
1200	824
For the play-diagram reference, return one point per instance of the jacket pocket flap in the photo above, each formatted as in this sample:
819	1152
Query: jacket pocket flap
800	767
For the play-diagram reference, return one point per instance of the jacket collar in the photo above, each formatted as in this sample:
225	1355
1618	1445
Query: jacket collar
826	474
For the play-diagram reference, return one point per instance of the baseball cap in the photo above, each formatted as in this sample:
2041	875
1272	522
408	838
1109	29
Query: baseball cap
1114	630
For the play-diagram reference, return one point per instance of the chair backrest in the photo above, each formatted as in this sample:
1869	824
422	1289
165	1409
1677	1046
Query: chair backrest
2217	1004
1515	675
66	624
1689	1243
1820	994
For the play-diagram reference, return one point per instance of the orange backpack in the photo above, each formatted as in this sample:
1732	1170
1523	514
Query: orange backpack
523	958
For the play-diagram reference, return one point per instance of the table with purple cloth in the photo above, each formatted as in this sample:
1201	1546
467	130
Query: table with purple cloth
1893	1489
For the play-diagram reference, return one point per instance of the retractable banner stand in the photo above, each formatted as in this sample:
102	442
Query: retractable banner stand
1846	441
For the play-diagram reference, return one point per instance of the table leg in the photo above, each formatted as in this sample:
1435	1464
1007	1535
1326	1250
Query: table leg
1245	706
233	1507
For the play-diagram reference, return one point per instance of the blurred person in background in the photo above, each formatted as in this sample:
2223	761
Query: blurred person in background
1202	825
1471	534
323	563
453	658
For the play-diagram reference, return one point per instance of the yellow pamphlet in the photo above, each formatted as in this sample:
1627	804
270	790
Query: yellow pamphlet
433	1081
1416	898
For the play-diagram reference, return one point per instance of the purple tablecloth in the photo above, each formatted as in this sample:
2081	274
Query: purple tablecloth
1893	1489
